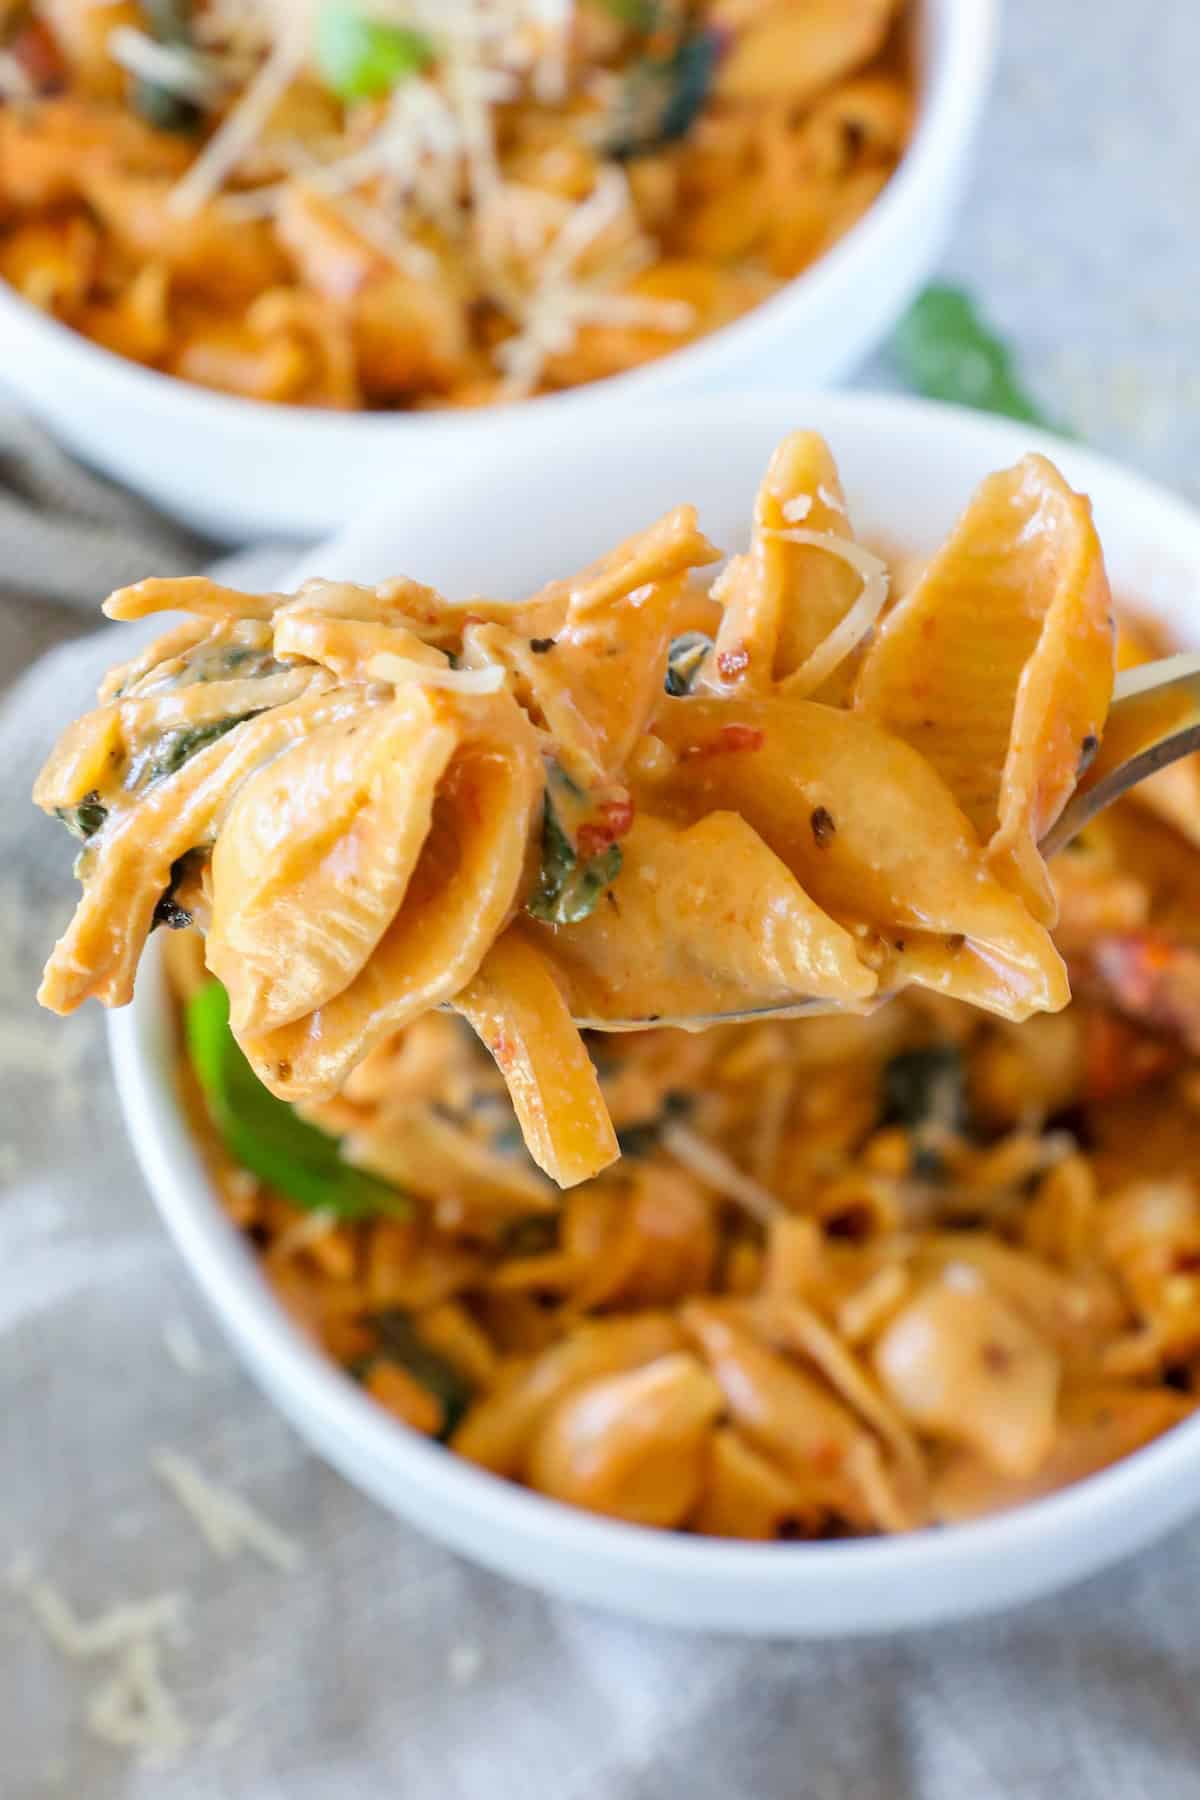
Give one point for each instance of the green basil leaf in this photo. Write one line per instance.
(83, 821)
(400, 1342)
(264, 1134)
(567, 890)
(361, 58)
(683, 662)
(945, 350)
(662, 97)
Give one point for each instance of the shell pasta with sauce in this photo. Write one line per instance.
(632, 796)
(851, 1275)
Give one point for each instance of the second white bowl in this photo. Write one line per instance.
(242, 469)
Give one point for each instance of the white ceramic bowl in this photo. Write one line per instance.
(241, 469)
(908, 468)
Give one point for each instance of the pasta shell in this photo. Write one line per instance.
(872, 834)
(998, 667)
(961, 1364)
(633, 1446)
(460, 894)
(519, 1012)
(706, 919)
(792, 52)
(782, 599)
(1098, 1424)
(497, 1430)
(313, 861)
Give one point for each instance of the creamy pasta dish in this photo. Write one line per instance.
(633, 798)
(812, 1277)
(412, 203)
(850, 1275)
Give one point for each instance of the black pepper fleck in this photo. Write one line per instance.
(824, 829)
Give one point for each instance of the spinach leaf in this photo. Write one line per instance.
(946, 351)
(568, 890)
(84, 820)
(925, 1087)
(662, 97)
(401, 1342)
(640, 1138)
(264, 1134)
(167, 755)
(167, 909)
(683, 661)
(533, 1235)
(170, 22)
(639, 15)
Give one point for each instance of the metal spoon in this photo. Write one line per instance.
(1154, 720)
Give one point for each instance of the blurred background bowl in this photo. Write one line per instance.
(908, 468)
(241, 468)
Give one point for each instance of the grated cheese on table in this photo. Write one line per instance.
(135, 1710)
(183, 1346)
(226, 1520)
(115, 1629)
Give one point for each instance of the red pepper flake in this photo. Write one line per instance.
(1118, 1058)
(614, 817)
(733, 662)
(729, 738)
(36, 49)
(504, 1051)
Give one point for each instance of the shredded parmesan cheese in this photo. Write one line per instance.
(227, 1521)
(168, 66)
(849, 631)
(241, 128)
(133, 1708)
(712, 1166)
(82, 1639)
(182, 1346)
(398, 670)
(309, 1229)
(136, 1710)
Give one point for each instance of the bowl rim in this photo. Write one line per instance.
(951, 105)
(241, 1297)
